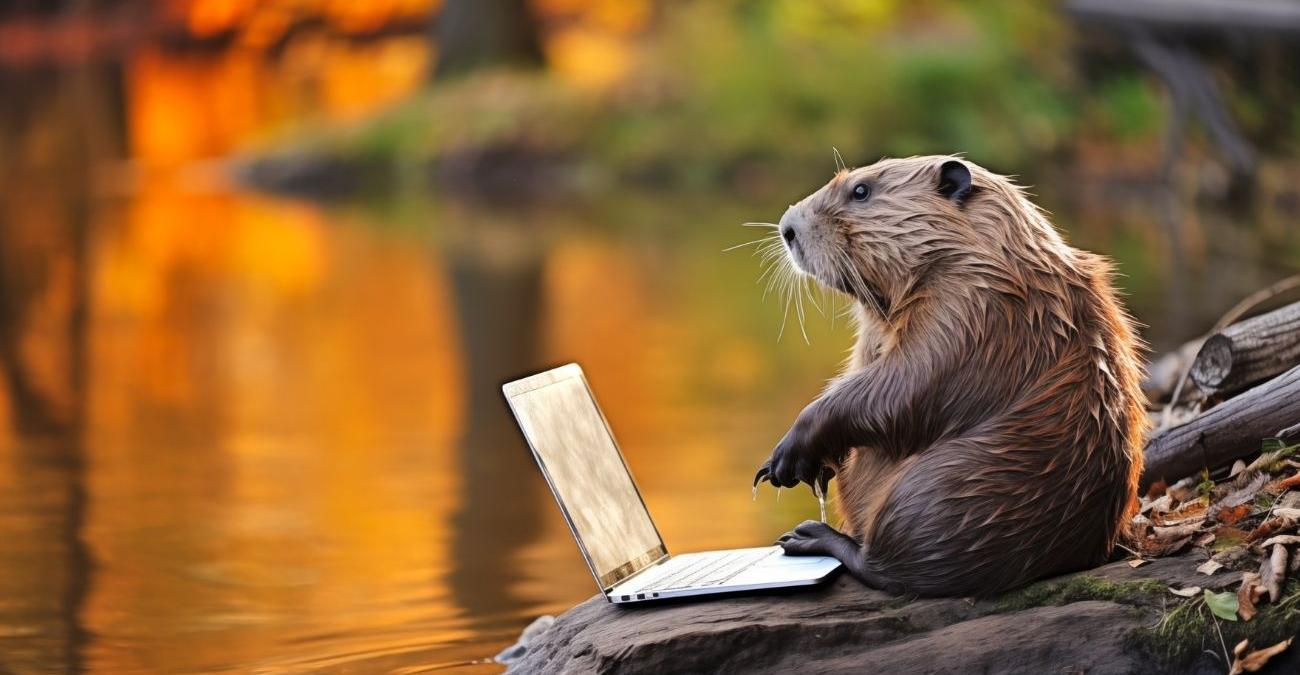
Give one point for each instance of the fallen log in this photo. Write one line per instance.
(1229, 431)
(1248, 352)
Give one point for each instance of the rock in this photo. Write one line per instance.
(516, 651)
(1099, 621)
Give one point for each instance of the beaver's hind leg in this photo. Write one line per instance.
(813, 537)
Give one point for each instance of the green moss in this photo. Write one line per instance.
(1078, 588)
(1189, 629)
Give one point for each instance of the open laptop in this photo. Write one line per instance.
(576, 451)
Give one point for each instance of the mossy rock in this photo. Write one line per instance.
(1065, 590)
(1113, 619)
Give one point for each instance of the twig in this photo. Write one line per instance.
(1289, 434)
(1226, 657)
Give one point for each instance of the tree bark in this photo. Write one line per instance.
(474, 34)
(1248, 352)
(1229, 431)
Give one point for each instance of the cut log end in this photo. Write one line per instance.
(1213, 363)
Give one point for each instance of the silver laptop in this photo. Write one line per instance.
(576, 451)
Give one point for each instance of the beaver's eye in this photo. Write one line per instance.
(860, 192)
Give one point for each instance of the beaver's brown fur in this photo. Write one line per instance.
(987, 428)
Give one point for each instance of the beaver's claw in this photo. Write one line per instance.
(791, 462)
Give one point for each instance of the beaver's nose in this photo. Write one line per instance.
(787, 224)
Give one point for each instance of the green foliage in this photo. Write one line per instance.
(792, 79)
(720, 88)
(729, 88)
(1127, 107)
(1205, 488)
(1223, 605)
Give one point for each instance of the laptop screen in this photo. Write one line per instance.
(577, 453)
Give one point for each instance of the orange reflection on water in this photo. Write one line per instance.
(256, 481)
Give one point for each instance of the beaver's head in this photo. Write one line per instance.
(878, 233)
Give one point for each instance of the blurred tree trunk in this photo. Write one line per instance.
(472, 34)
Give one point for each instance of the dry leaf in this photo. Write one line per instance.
(1283, 539)
(1159, 505)
(1231, 556)
(1231, 514)
(1173, 532)
(1292, 514)
(1272, 572)
(1227, 535)
(1190, 513)
(1156, 548)
(1237, 467)
(1273, 525)
(1244, 493)
(1188, 592)
(1157, 488)
(1243, 662)
(1160, 541)
(1245, 608)
(1278, 487)
(1238, 651)
(1209, 567)
(1183, 489)
(1204, 540)
(1137, 562)
(1247, 594)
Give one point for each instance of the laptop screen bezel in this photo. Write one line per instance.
(608, 580)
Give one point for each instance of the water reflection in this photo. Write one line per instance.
(496, 273)
(45, 566)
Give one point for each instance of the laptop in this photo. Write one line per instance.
(581, 462)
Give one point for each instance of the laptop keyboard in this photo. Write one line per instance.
(707, 570)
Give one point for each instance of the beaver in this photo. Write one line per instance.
(986, 430)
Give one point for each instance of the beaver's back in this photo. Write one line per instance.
(1037, 460)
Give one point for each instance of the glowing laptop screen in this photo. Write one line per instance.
(576, 450)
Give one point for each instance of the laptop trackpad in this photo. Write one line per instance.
(782, 568)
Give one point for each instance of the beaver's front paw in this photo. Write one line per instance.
(811, 537)
(805, 454)
(791, 461)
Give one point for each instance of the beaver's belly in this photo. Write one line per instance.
(865, 481)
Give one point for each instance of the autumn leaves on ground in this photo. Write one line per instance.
(1245, 517)
(1248, 522)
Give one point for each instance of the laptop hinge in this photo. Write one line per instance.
(655, 563)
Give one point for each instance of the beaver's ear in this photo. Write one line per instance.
(954, 181)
